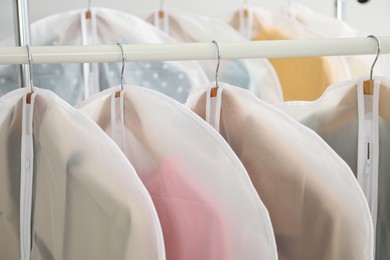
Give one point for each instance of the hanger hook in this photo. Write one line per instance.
(123, 64)
(89, 5)
(218, 62)
(29, 56)
(377, 53)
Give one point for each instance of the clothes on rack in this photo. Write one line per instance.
(74, 82)
(316, 206)
(66, 190)
(207, 205)
(205, 201)
(242, 181)
(301, 78)
(256, 75)
(355, 122)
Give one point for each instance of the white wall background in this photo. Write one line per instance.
(370, 18)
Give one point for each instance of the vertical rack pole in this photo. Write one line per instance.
(340, 9)
(22, 36)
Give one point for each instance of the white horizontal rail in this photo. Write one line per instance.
(195, 51)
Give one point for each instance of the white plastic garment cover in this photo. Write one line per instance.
(323, 24)
(257, 75)
(82, 197)
(330, 27)
(74, 82)
(357, 127)
(317, 208)
(207, 206)
(296, 75)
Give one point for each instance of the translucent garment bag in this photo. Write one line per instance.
(331, 27)
(317, 208)
(302, 78)
(74, 82)
(207, 206)
(256, 75)
(66, 190)
(355, 122)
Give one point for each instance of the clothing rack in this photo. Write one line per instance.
(195, 51)
(22, 35)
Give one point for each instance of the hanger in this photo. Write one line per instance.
(117, 94)
(368, 85)
(161, 13)
(160, 18)
(30, 82)
(213, 92)
(244, 19)
(245, 11)
(88, 12)
(139, 134)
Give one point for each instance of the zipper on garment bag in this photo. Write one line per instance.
(368, 144)
(27, 172)
(368, 124)
(368, 177)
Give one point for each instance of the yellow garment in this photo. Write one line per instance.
(303, 78)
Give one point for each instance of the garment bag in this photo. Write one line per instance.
(206, 203)
(317, 208)
(331, 27)
(301, 78)
(74, 82)
(257, 75)
(66, 188)
(355, 122)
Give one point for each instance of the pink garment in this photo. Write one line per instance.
(193, 228)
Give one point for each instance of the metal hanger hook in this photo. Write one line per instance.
(123, 64)
(89, 5)
(218, 62)
(29, 57)
(377, 53)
